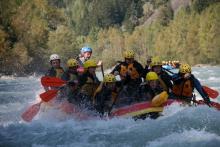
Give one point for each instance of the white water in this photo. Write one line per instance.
(179, 127)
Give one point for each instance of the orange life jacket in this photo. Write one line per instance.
(124, 69)
(185, 89)
(123, 72)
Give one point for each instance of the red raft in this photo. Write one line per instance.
(133, 110)
(146, 107)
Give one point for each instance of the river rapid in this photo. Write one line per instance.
(179, 127)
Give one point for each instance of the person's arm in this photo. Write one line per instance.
(199, 88)
(167, 80)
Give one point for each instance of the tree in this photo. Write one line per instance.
(209, 34)
(110, 45)
(63, 42)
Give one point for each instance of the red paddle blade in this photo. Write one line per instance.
(52, 81)
(211, 92)
(31, 112)
(216, 105)
(213, 104)
(48, 95)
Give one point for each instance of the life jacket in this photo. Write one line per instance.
(89, 87)
(80, 61)
(59, 72)
(184, 89)
(72, 76)
(55, 72)
(114, 94)
(96, 92)
(124, 69)
(123, 72)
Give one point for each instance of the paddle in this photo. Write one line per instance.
(211, 92)
(48, 95)
(31, 112)
(102, 70)
(213, 104)
(52, 81)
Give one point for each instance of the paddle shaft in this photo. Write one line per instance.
(102, 71)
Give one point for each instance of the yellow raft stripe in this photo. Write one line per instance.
(148, 110)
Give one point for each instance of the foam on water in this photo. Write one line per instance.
(7, 77)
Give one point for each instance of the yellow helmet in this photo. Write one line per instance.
(185, 68)
(72, 63)
(90, 63)
(129, 54)
(109, 78)
(156, 62)
(151, 76)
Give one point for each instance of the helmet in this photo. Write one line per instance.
(72, 63)
(54, 57)
(109, 78)
(156, 62)
(129, 54)
(86, 49)
(151, 76)
(185, 68)
(90, 63)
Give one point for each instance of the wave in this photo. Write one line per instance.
(187, 138)
(2, 77)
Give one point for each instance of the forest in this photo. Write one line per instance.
(31, 30)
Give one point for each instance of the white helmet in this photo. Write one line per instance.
(54, 57)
